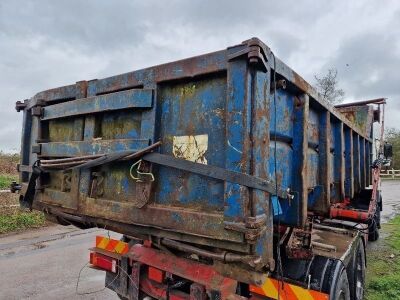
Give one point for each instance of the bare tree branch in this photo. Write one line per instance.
(327, 86)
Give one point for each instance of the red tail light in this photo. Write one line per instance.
(103, 262)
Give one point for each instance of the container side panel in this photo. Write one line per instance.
(284, 116)
(356, 161)
(313, 128)
(120, 125)
(62, 130)
(192, 127)
(284, 211)
(362, 163)
(337, 193)
(349, 179)
(238, 116)
(261, 204)
(368, 154)
(314, 188)
(321, 193)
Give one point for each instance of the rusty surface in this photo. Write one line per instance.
(361, 116)
(217, 109)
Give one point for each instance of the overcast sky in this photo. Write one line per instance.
(45, 44)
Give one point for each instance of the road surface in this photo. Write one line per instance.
(391, 199)
(45, 263)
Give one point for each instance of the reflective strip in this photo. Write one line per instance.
(286, 291)
(111, 245)
(270, 289)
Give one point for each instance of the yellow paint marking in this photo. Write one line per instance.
(270, 289)
(103, 244)
(301, 293)
(119, 247)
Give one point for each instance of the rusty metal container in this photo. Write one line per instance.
(231, 124)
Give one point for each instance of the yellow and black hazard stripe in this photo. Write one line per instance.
(111, 245)
(273, 288)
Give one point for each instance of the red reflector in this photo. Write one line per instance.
(103, 262)
(156, 274)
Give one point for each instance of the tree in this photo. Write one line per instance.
(392, 136)
(327, 86)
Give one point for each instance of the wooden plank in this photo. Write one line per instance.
(78, 148)
(135, 98)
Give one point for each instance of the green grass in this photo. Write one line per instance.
(21, 220)
(13, 218)
(6, 179)
(383, 272)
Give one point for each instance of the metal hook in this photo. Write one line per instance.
(136, 166)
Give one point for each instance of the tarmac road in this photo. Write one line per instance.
(390, 198)
(45, 263)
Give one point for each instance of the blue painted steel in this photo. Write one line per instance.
(337, 192)
(349, 165)
(116, 101)
(63, 149)
(222, 100)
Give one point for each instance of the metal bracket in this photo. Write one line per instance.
(253, 227)
(21, 105)
(256, 52)
(299, 243)
(37, 111)
(97, 186)
(37, 148)
(278, 85)
(135, 280)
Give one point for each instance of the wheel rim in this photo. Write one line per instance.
(360, 276)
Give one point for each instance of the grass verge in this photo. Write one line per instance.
(21, 220)
(383, 264)
(6, 179)
(13, 218)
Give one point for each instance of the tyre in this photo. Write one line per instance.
(342, 290)
(373, 232)
(356, 272)
(339, 288)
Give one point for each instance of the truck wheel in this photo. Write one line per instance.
(356, 272)
(340, 289)
(373, 233)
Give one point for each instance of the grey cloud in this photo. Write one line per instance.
(368, 67)
(44, 44)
